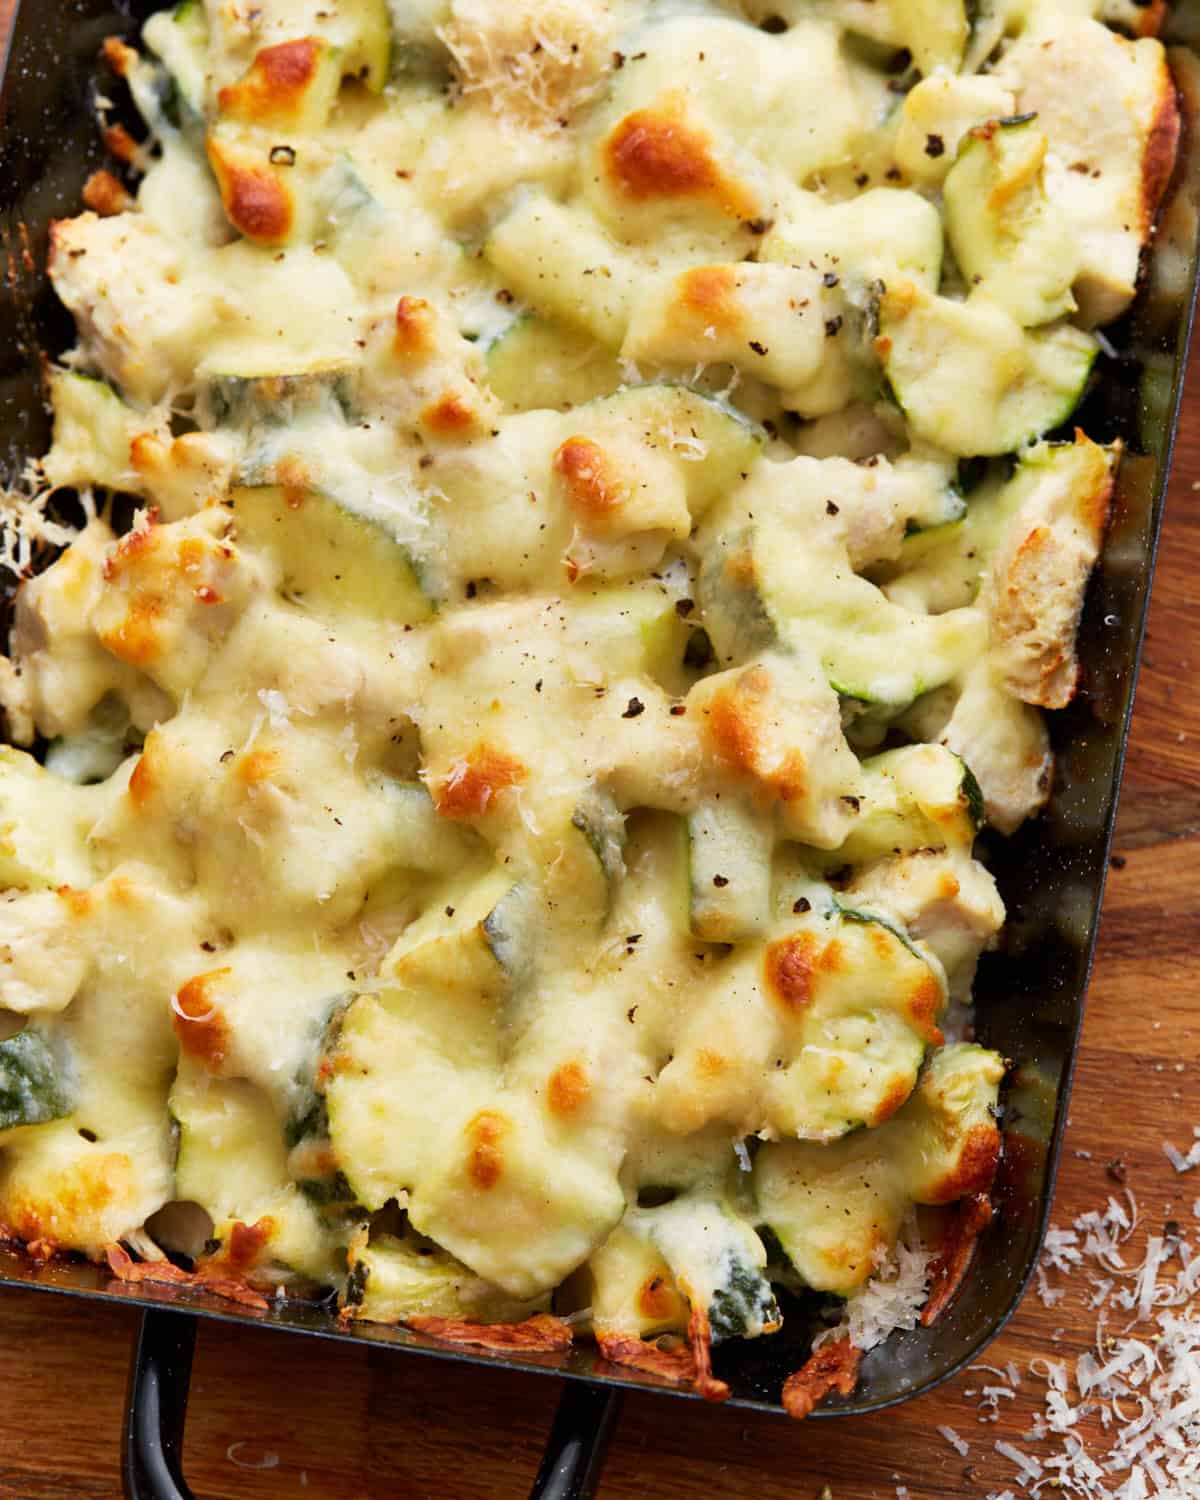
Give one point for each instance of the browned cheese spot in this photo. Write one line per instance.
(568, 1090)
(654, 153)
(790, 965)
(449, 416)
(975, 1168)
(255, 200)
(590, 486)
(657, 1300)
(709, 294)
(272, 91)
(923, 1003)
(415, 321)
(485, 1153)
(198, 1023)
(474, 782)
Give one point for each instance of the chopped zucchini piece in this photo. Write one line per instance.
(602, 824)
(93, 430)
(248, 399)
(716, 1259)
(837, 1209)
(915, 797)
(757, 590)
(559, 261)
(1021, 383)
(330, 555)
(423, 839)
(394, 1277)
(536, 363)
(729, 860)
(941, 897)
(34, 1082)
(629, 1287)
(233, 1160)
(179, 38)
(1013, 245)
(638, 628)
(1003, 740)
(367, 41)
(934, 31)
(813, 1036)
(938, 112)
(714, 444)
(481, 937)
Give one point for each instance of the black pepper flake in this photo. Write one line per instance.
(833, 326)
(630, 1013)
(757, 347)
(209, 947)
(684, 607)
(1118, 861)
(505, 296)
(283, 156)
(1116, 1171)
(226, 755)
(862, 179)
(537, 687)
(636, 707)
(449, 911)
(852, 803)
(678, 710)
(935, 146)
(892, 174)
(831, 509)
(830, 278)
(471, 590)
(618, 60)
(720, 881)
(801, 905)
(425, 461)
(759, 226)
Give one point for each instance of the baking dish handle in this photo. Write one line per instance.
(156, 1406)
(578, 1439)
(152, 1461)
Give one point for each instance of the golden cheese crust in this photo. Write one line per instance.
(466, 869)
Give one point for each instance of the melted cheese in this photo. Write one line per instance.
(462, 860)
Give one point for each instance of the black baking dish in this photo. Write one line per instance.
(1030, 996)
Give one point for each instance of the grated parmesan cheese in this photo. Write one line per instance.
(1178, 1160)
(960, 1445)
(890, 1301)
(1124, 1422)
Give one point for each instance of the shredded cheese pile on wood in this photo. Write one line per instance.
(1123, 1421)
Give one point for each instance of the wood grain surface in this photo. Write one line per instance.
(332, 1423)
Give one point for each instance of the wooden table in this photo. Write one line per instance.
(345, 1424)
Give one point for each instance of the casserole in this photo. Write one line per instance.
(1078, 827)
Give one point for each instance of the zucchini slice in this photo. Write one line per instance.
(537, 363)
(1012, 243)
(970, 379)
(179, 39)
(914, 797)
(836, 1209)
(729, 863)
(331, 556)
(35, 1083)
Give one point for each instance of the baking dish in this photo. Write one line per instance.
(1030, 995)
